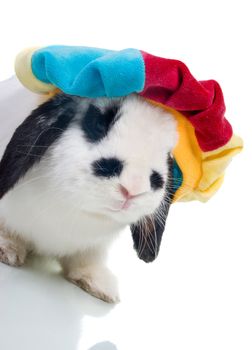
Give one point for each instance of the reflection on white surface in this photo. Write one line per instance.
(40, 310)
(104, 346)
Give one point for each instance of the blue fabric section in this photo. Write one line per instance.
(90, 72)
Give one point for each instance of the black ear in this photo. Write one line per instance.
(147, 232)
(33, 137)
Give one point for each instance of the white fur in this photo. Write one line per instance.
(61, 209)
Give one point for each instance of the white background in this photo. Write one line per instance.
(198, 294)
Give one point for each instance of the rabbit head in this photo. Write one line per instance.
(109, 157)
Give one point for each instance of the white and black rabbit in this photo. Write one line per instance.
(75, 173)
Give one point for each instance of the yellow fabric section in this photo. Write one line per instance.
(214, 164)
(25, 74)
(203, 172)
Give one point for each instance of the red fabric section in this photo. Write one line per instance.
(170, 83)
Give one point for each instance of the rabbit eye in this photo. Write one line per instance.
(107, 167)
(96, 124)
(156, 180)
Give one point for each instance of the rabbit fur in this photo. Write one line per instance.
(76, 172)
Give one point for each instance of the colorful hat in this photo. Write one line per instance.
(206, 141)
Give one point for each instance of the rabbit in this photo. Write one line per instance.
(75, 173)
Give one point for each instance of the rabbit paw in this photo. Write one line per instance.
(12, 252)
(97, 281)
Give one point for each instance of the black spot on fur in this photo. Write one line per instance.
(33, 137)
(96, 124)
(147, 232)
(107, 167)
(156, 180)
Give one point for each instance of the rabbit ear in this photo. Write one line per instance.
(33, 137)
(147, 232)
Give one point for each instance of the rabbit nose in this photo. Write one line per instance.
(125, 192)
(128, 194)
(132, 184)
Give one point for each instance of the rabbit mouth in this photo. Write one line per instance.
(113, 210)
(124, 205)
